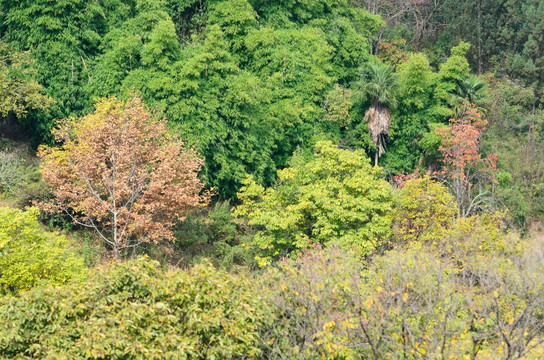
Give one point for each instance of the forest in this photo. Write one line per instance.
(272, 179)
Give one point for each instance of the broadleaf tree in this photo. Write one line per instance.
(469, 174)
(119, 172)
(337, 197)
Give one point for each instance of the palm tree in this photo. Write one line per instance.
(471, 90)
(380, 83)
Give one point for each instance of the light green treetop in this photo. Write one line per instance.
(337, 197)
(30, 256)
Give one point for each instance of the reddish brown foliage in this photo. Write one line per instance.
(399, 180)
(463, 165)
(120, 172)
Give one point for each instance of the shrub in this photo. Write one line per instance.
(411, 303)
(12, 172)
(212, 234)
(337, 197)
(134, 310)
(423, 210)
(30, 256)
(309, 299)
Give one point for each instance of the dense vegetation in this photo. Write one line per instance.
(289, 179)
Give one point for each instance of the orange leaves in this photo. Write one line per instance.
(120, 172)
(463, 165)
(460, 142)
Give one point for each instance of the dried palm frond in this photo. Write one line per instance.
(379, 120)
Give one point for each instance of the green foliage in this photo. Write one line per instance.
(20, 178)
(147, 40)
(418, 107)
(452, 73)
(337, 105)
(337, 197)
(348, 33)
(291, 12)
(19, 90)
(221, 113)
(423, 210)
(30, 256)
(474, 90)
(416, 82)
(236, 19)
(212, 234)
(484, 235)
(246, 83)
(244, 89)
(379, 83)
(63, 37)
(425, 99)
(515, 134)
(295, 64)
(506, 34)
(134, 310)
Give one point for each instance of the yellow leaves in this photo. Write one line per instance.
(329, 325)
(424, 208)
(263, 261)
(348, 324)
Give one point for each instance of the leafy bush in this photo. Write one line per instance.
(134, 310)
(30, 256)
(309, 297)
(462, 296)
(423, 210)
(212, 234)
(20, 178)
(337, 197)
(425, 300)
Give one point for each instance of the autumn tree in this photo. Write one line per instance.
(468, 174)
(119, 172)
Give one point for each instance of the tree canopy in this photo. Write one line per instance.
(119, 172)
(337, 197)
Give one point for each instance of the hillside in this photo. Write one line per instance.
(286, 179)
